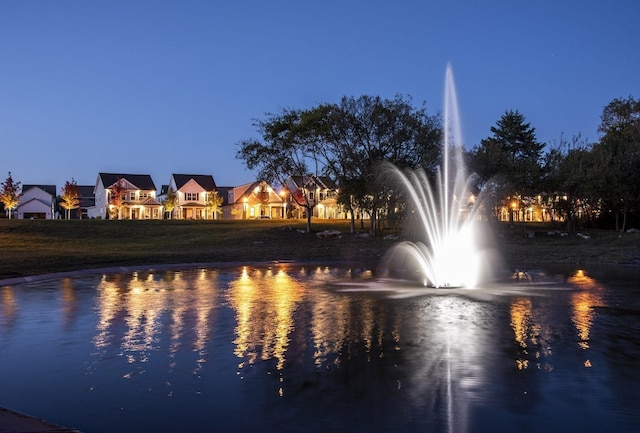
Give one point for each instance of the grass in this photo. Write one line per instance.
(32, 247)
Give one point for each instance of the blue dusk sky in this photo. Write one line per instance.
(163, 87)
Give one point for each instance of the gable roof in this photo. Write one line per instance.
(324, 182)
(85, 194)
(204, 180)
(141, 181)
(49, 189)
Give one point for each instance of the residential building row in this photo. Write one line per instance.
(141, 199)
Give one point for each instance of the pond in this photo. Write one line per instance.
(295, 348)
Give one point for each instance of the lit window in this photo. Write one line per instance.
(191, 196)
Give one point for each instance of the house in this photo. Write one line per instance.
(138, 200)
(193, 195)
(252, 200)
(37, 202)
(320, 192)
(87, 200)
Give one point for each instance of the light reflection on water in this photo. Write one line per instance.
(318, 348)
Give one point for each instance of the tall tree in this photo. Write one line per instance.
(10, 194)
(511, 158)
(355, 136)
(616, 169)
(118, 195)
(70, 196)
(284, 153)
(213, 203)
(170, 201)
(566, 170)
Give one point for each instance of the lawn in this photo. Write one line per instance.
(32, 247)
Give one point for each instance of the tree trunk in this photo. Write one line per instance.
(352, 225)
(309, 211)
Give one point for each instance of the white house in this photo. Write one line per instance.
(37, 202)
(253, 200)
(138, 200)
(192, 193)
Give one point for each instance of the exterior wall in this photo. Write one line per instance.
(244, 202)
(35, 202)
(99, 210)
(192, 201)
(35, 208)
(134, 208)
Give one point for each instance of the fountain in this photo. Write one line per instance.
(449, 256)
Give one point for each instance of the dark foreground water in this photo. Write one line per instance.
(295, 349)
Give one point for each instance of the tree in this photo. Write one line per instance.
(283, 154)
(170, 201)
(616, 158)
(213, 203)
(509, 160)
(70, 196)
(355, 136)
(347, 142)
(118, 195)
(10, 194)
(566, 170)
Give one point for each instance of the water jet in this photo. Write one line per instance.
(447, 255)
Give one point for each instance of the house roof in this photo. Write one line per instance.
(141, 181)
(324, 182)
(150, 201)
(85, 191)
(35, 200)
(50, 189)
(204, 180)
(223, 191)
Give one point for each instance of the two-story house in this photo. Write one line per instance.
(37, 202)
(319, 193)
(138, 200)
(193, 196)
(252, 201)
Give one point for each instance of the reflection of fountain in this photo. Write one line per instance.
(449, 257)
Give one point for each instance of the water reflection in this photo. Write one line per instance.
(584, 304)
(264, 301)
(532, 334)
(9, 308)
(134, 311)
(296, 351)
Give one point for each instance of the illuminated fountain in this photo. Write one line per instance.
(449, 256)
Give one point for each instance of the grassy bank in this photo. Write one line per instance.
(38, 247)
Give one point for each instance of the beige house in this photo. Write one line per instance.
(193, 193)
(253, 201)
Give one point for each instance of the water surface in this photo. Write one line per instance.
(303, 349)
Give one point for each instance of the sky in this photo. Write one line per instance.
(160, 87)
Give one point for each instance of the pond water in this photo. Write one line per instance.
(301, 349)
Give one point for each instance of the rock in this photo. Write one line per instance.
(633, 230)
(329, 234)
(391, 237)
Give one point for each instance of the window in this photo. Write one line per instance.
(191, 196)
(132, 196)
(144, 194)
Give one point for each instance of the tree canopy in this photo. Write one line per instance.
(346, 141)
(70, 196)
(10, 194)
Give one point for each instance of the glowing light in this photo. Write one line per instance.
(448, 257)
